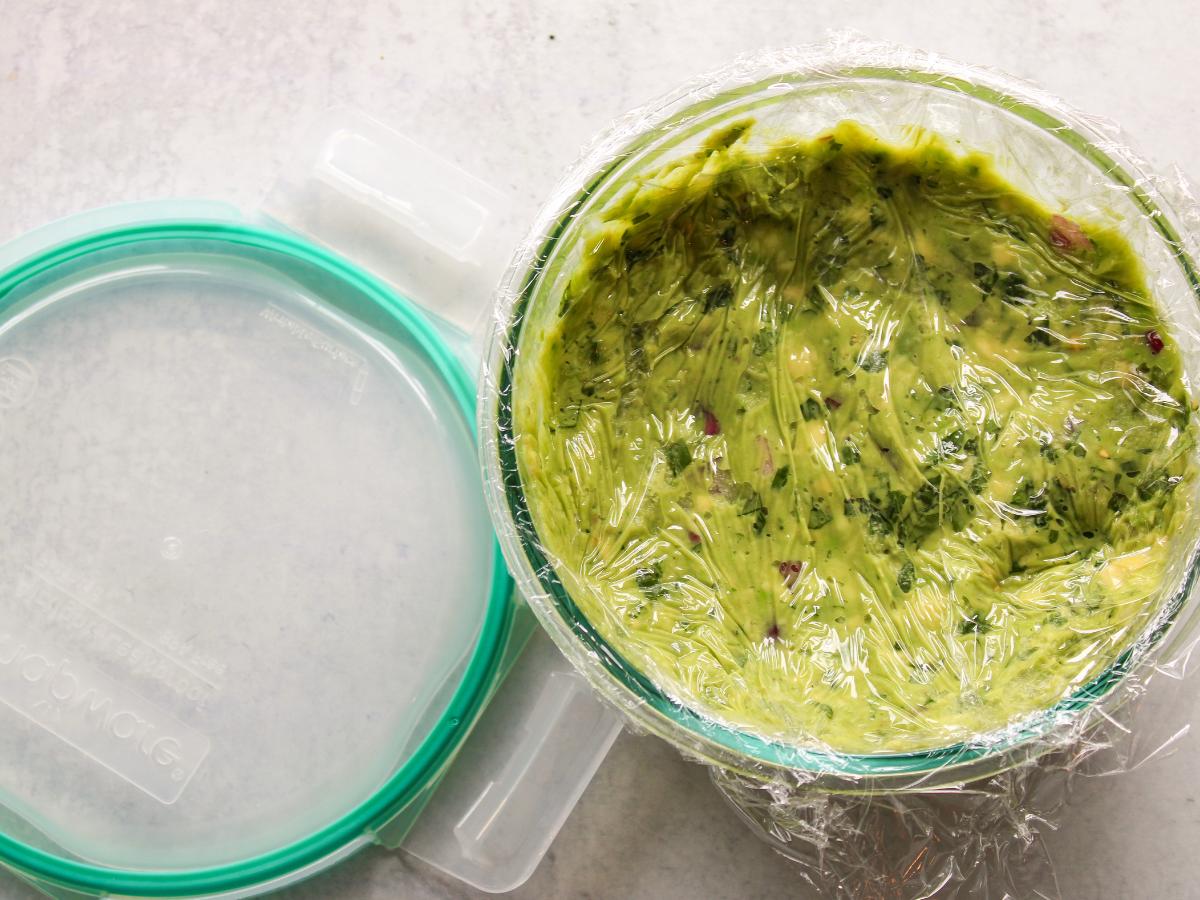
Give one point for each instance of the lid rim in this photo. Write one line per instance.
(427, 762)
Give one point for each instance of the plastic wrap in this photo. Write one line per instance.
(838, 425)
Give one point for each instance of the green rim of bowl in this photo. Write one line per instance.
(431, 756)
(626, 675)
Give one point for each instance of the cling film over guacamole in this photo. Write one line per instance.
(852, 444)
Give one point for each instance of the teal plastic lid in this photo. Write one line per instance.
(251, 598)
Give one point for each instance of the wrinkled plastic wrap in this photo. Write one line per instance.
(838, 424)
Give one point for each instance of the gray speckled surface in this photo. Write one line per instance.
(108, 102)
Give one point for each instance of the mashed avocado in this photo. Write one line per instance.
(852, 443)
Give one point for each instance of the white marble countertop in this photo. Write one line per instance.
(107, 102)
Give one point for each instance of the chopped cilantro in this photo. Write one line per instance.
(648, 576)
(781, 477)
(944, 398)
(718, 297)
(751, 505)
(1014, 286)
(874, 361)
(679, 457)
(764, 342)
(985, 277)
(976, 623)
(853, 506)
(980, 476)
(818, 516)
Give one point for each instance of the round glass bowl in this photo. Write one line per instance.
(1044, 150)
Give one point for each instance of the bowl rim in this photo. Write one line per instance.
(607, 669)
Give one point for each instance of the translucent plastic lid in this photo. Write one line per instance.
(250, 596)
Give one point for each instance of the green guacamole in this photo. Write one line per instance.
(853, 444)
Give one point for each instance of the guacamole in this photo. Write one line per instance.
(852, 444)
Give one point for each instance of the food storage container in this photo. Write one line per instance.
(1071, 164)
(254, 607)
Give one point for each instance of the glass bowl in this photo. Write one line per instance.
(1068, 163)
